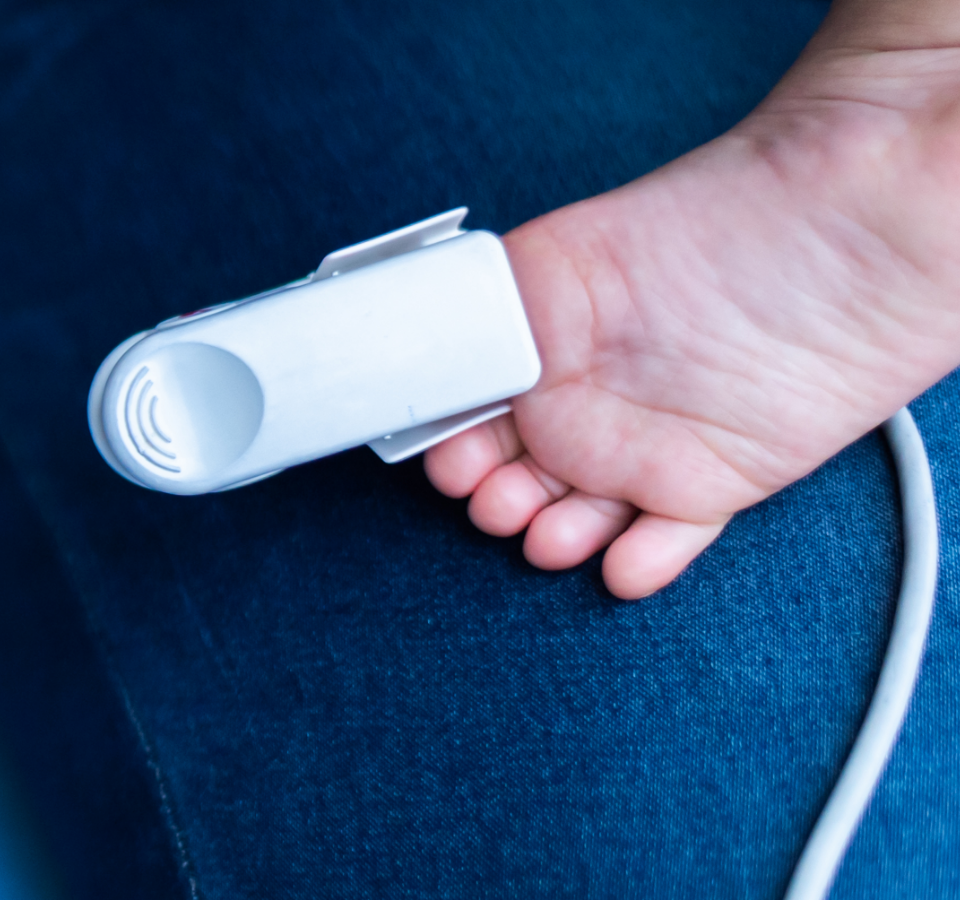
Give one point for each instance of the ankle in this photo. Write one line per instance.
(868, 144)
(891, 24)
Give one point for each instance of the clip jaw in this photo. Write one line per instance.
(398, 342)
(394, 243)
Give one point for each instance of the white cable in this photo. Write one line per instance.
(831, 836)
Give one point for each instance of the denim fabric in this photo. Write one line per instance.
(328, 684)
(82, 769)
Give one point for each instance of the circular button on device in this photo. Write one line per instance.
(185, 413)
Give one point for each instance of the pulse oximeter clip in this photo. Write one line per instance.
(398, 342)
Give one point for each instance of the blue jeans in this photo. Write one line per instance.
(328, 684)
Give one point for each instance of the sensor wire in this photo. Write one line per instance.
(828, 842)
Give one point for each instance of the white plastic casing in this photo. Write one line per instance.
(398, 342)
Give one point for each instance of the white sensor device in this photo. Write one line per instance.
(398, 342)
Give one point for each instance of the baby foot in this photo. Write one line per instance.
(717, 329)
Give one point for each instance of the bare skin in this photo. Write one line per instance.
(715, 330)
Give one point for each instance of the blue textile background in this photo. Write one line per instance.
(328, 684)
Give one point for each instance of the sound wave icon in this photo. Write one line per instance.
(140, 413)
